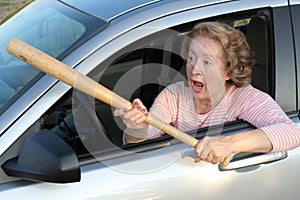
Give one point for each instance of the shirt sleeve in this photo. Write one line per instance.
(262, 111)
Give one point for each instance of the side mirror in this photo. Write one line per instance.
(45, 157)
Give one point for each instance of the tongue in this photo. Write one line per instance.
(197, 84)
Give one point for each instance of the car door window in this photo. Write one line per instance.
(142, 70)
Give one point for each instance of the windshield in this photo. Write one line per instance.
(49, 26)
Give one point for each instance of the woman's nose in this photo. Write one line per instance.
(196, 70)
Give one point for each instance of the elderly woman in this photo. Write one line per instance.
(218, 68)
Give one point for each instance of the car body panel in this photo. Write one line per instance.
(200, 181)
(107, 11)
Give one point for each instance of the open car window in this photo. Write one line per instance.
(142, 70)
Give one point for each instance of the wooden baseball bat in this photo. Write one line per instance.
(61, 71)
(70, 76)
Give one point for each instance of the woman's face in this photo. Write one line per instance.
(205, 69)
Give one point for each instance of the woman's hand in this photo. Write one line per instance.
(216, 149)
(134, 118)
(220, 149)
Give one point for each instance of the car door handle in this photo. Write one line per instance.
(253, 160)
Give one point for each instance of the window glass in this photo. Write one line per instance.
(50, 27)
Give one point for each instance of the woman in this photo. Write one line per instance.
(218, 68)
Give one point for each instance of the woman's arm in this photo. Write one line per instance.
(216, 149)
(264, 113)
(275, 131)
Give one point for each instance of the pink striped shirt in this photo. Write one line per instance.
(174, 105)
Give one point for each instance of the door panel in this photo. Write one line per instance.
(177, 180)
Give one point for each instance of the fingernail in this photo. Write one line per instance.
(144, 110)
(146, 114)
(139, 108)
(135, 103)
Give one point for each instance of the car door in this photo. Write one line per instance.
(253, 180)
(164, 168)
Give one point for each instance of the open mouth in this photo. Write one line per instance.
(197, 86)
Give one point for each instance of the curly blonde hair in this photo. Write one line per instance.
(236, 49)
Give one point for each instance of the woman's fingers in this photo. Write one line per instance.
(199, 150)
(226, 161)
(140, 116)
(213, 150)
(138, 103)
(119, 112)
(135, 117)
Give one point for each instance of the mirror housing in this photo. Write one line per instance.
(45, 157)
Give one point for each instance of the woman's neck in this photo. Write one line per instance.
(202, 107)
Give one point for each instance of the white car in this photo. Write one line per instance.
(58, 143)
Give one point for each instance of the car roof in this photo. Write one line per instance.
(108, 9)
(111, 9)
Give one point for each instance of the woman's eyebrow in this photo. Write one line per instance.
(191, 51)
(200, 53)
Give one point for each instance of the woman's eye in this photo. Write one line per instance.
(191, 60)
(207, 65)
(207, 62)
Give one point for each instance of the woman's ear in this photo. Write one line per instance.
(227, 77)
